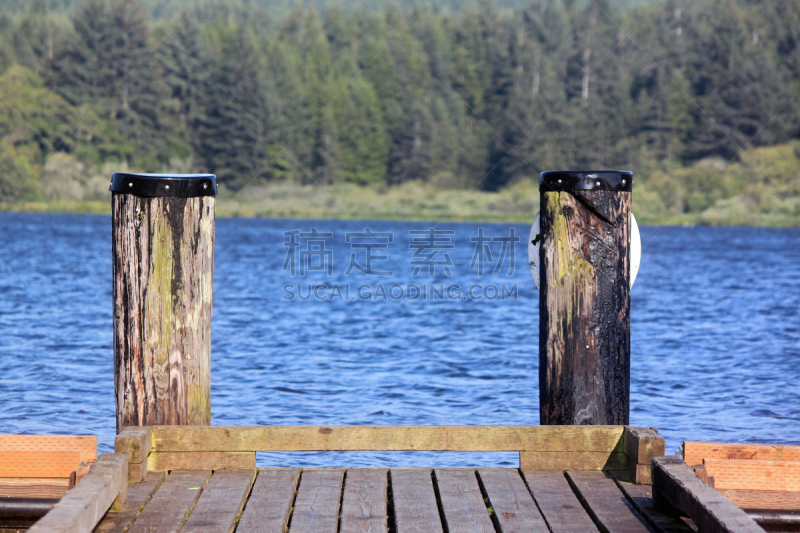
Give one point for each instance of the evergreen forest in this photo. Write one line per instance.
(300, 108)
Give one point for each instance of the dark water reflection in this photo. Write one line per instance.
(716, 336)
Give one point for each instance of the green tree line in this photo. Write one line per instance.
(479, 97)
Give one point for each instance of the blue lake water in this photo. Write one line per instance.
(715, 332)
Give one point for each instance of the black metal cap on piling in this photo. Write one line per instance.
(164, 185)
(586, 180)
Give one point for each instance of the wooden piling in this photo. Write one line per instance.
(163, 268)
(584, 302)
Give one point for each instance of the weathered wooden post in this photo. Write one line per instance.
(584, 298)
(163, 263)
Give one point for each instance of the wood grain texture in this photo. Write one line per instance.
(584, 308)
(573, 460)
(138, 496)
(642, 444)
(414, 501)
(754, 475)
(270, 503)
(675, 485)
(559, 505)
(695, 452)
(388, 438)
(81, 508)
(135, 442)
(641, 496)
(607, 504)
(365, 501)
(201, 461)
(641, 474)
(763, 499)
(85, 444)
(137, 472)
(172, 502)
(163, 269)
(463, 508)
(49, 488)
(514, 508)
(316, 507)
(222, 500)
(41, 463)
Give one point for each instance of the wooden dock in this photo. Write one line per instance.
(379, 500)
(204, 478)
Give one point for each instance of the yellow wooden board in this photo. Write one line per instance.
(387, 438)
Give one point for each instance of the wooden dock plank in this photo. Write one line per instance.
(174, 499)
(642, 498)
(387, 438)
(513, 505)
(138, 496)
(676, 485)
(267, 510)
(763, 499)
(463, 508)
(414, 501)
(607, 504)
(38, 463)
(559, 505)
(86, 444)
(754, 474)
(80, 510)
(365, 501)
(221, 502)
(316, 508)
(695, 452)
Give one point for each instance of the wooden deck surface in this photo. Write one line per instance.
(380, 500)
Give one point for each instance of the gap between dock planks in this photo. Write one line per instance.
(387, 438)
(558, 503)
(414, 501)
(172, 503)
(139, 495)
(641, 496)
(607, 504)
(365, 501)
(513, 506)
(270, 503)
(316, 507)
(220, 503)
(463, 508)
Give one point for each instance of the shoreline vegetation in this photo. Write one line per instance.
(762, 190)
(444, 111)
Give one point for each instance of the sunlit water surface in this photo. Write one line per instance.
(715, 336)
